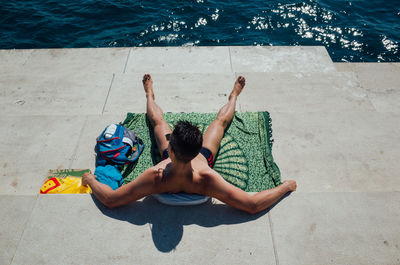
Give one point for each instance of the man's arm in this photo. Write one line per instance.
(219, 188)
(144, 185)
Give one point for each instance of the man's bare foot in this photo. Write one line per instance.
(238, 86)
(148, 85)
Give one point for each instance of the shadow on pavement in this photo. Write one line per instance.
(167, 222)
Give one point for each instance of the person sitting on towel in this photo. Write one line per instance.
(187, 163)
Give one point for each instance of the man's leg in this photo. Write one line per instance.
(155, 115)
(214, 133)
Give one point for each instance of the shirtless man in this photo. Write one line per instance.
(187, 163)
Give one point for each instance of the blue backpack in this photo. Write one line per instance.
(118, 145)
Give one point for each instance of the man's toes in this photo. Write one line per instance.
(146, 77)
(241, 80)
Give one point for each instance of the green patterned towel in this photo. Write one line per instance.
(244, 158)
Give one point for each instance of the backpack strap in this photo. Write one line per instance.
(138, 151)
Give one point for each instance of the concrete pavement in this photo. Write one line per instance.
(336, 130)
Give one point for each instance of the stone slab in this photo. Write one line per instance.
(328, 137)
(13, 60)
(381, 81)
(355, 151)
(58, 61)
(374, 76)
(386, 100)
(200, 92)
(143, 232)
(179, 60)
(303, 92)
(338, 228)
(281, 59)
(31, 145)
(14, 214)
(85, 156)
(58, 94)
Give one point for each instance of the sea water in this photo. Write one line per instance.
(353, 31)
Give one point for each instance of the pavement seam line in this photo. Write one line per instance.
(108, 93)
(27, 58)
(367, 93)
(230, 58)
(23, 229)
(77, 144)
(273, 238)
(127, 59)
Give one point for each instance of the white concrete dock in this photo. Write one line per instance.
(336, 128)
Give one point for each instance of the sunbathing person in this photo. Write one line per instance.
(187, 163)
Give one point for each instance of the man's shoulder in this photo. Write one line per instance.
(207, 174)
(160, 165)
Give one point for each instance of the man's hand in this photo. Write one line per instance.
(290, 185)
(87, 177)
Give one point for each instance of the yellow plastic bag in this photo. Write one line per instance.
(65, 181)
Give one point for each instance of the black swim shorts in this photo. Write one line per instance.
(204, 151)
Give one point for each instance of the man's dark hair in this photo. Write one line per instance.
(186, 141)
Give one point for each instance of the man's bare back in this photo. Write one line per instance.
(195, 176)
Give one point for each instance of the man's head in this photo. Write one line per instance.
(186, 141)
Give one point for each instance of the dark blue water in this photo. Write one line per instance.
(350, 30)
